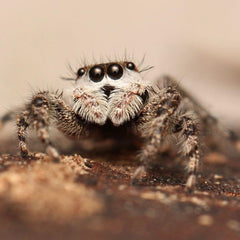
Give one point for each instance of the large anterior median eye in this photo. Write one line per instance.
(96, 73)
(115, 71)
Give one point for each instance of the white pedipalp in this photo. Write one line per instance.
(92, 106)
(125, 103)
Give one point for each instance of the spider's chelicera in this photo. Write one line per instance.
(110, 96)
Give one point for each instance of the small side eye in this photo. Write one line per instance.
(81, 72)
(130, 66)
(96, 73)
(115, 71)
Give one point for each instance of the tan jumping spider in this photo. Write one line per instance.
(110, 96)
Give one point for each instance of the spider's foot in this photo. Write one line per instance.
(138, 174)
(24, 154)
(190, 184)
(27, 156)
(53, 154)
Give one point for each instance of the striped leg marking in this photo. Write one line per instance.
(22, 126)
(190, 147)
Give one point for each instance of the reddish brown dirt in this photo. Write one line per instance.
(93, 199)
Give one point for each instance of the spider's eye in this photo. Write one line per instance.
(96, 73)
(81, 72)
(130, 66)
(115, 71)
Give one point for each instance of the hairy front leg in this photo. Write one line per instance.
(160, 119)
(154, 125)
(38, 114)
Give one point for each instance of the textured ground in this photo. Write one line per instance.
(93, 199)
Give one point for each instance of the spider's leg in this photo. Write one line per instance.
(44, 107)
(160, 118)
(37, 115)
(22, 125)
(213, 125)
(209, 123)
(188, 129)
(7, 117)
(154, 124)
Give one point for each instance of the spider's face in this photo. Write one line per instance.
(108, 91)
(107, 77)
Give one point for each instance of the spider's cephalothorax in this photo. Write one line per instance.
(116, 95)
(114, 91)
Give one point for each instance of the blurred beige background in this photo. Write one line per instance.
(198, 42)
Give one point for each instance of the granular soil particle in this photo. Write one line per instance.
(92, 198)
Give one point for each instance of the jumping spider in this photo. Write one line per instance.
(110, 96)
